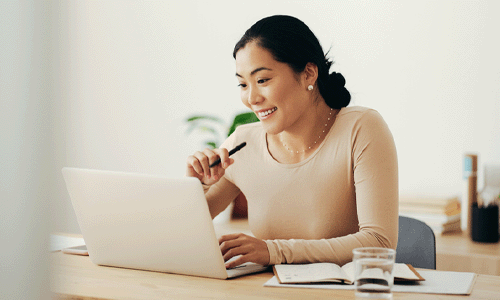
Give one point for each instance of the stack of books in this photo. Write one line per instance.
(441, 214)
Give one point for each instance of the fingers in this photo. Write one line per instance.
(248, 248)
(227, 242)
(199, 165)
(228, 237)
(238, 261)
(243, 251)
(194, 167)
(199, 162)
(224, 158)
(230, 246)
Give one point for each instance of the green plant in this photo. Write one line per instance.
(217, 128)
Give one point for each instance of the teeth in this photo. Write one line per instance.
(265, 113)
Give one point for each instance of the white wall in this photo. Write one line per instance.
(26, 178)
(128, 73)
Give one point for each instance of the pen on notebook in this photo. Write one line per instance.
(236, 149)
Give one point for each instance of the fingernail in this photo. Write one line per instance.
(225, 165)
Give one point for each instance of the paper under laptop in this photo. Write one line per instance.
(148, 222)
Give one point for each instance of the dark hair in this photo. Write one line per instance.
(290, 41)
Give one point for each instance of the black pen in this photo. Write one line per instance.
(236, 149)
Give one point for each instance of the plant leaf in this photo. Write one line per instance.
(205, 118)
(212, 144)
(208, 129)
(243, 118)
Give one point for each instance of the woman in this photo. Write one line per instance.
(320, 178)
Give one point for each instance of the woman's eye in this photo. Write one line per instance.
(261, 81)
(242, 85)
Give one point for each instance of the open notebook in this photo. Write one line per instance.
(330, 272)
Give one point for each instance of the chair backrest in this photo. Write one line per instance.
(416, 244)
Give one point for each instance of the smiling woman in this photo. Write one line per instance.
(320, 178)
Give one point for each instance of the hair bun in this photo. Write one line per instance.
(336, 81)
(337, 96)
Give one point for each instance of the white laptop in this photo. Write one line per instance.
(148, 222)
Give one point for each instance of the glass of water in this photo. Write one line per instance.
(373, 272)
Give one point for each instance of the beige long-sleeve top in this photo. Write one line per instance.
(343, 196)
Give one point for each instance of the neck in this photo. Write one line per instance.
(310, 130)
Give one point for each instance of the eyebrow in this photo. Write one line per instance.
(255, 71)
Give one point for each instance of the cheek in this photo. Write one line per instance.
(244, 98)
(277, 96)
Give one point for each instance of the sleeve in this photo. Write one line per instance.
(375, 168)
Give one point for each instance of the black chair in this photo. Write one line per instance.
(416, 244)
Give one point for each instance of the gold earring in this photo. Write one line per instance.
(310, 87)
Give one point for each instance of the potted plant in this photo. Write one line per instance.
(219, 131)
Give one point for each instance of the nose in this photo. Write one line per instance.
(254, 96)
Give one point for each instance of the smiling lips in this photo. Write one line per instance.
(265, 113)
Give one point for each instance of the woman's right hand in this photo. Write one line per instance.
(198, 165)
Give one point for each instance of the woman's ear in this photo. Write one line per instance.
(310, 74)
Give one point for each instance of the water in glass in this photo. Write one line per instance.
(374, 278)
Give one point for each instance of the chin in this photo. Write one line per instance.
(270, 129)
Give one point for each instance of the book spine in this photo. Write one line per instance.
(433, 219)
(429, 210)
(430, 201)
(469, 194)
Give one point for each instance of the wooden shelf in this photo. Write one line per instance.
(457, 252)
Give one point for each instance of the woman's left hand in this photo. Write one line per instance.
(251, 249)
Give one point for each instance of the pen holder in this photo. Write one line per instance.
(484, 224)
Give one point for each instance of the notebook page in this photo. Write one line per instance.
(402, 271)
(309, 272)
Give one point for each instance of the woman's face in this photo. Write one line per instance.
(270, 88)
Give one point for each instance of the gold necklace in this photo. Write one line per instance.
(312, 145)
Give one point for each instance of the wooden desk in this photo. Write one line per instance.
(76, 277)
(457, 252)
